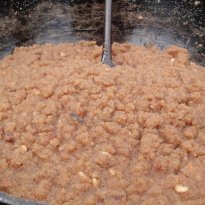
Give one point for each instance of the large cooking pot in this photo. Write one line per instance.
(142, 22)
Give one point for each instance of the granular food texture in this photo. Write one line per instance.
(74, 131)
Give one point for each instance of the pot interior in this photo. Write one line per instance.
(141, 22)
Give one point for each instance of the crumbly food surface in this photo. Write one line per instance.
(74, 131)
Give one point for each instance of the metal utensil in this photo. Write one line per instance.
(107, 47)
(11, 200)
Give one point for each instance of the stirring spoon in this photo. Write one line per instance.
(107, 46)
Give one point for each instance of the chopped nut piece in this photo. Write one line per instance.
(106, 153)
(84, 177)
(200, 45)
(62, 54)
(23, 149)
(140, 17)
(172, 60)
(181, 189)
(112, 171)
(55, 142)
(95, 182)
(196, 3)
(192, 63)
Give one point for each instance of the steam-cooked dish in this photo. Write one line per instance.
(74, 131)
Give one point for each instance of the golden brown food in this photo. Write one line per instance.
(74, 131)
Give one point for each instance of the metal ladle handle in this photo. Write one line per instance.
(107, 47)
